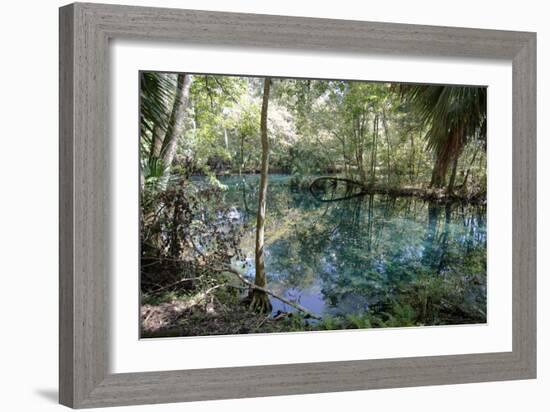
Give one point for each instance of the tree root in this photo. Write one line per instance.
(260, 302)
(266, 291)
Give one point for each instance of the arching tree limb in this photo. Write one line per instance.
(267, 291)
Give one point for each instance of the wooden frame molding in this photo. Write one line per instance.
(85, 31)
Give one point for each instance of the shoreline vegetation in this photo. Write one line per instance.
(298, 205)
(356, 188)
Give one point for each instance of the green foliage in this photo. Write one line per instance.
(444, 109)
(152, 170)
(156, 98)
(373, 132)
(453, 116)
(377, 261)
(329, 323)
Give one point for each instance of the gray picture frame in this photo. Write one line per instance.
(85, 31)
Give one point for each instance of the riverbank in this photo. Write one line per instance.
(353, 188)
(350, 188)
(212, 317)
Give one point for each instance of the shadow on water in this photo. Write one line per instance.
(397, 258)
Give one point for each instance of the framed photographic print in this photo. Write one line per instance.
(257, 205)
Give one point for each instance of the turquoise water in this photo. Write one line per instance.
(402, 260)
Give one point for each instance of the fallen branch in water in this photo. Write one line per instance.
(357, 189)
(269, 292)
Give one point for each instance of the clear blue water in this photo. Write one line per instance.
(401, 259)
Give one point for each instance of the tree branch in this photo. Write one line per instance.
(269, 292)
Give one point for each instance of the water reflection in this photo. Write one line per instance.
(400, 259)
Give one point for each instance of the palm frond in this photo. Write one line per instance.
(444, 109)
(156, 98)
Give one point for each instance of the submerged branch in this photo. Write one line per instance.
(269, 292)
(355, 188)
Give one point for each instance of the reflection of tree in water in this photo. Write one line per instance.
(377, 255)
(421, 262)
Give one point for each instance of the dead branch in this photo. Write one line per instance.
(171, 285)
(269, 292)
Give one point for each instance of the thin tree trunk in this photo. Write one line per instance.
(361, 122)
(176, 123)
(225, 138)
(260, 300)
(359, 149)
(388, 144)
(373, 153)
(344, 155)
(412, 173)
(241, 166)
(469, 168)
(346, 161)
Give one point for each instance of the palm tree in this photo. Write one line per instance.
(164, 99)
(157, 91)
(453, 115)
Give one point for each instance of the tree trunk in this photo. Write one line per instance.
(346, 161)
(241, 165)
(175, 124)
(465, 181)
(412, 173)
(359, 148)
(452, 179)
(225, 139)
(388, 146)
(439, 172)
(374, 148)
(446, 155)
(260, 300)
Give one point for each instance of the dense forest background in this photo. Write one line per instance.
(337, 141)
(374, 132)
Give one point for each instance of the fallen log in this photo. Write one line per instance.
(355, 188)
